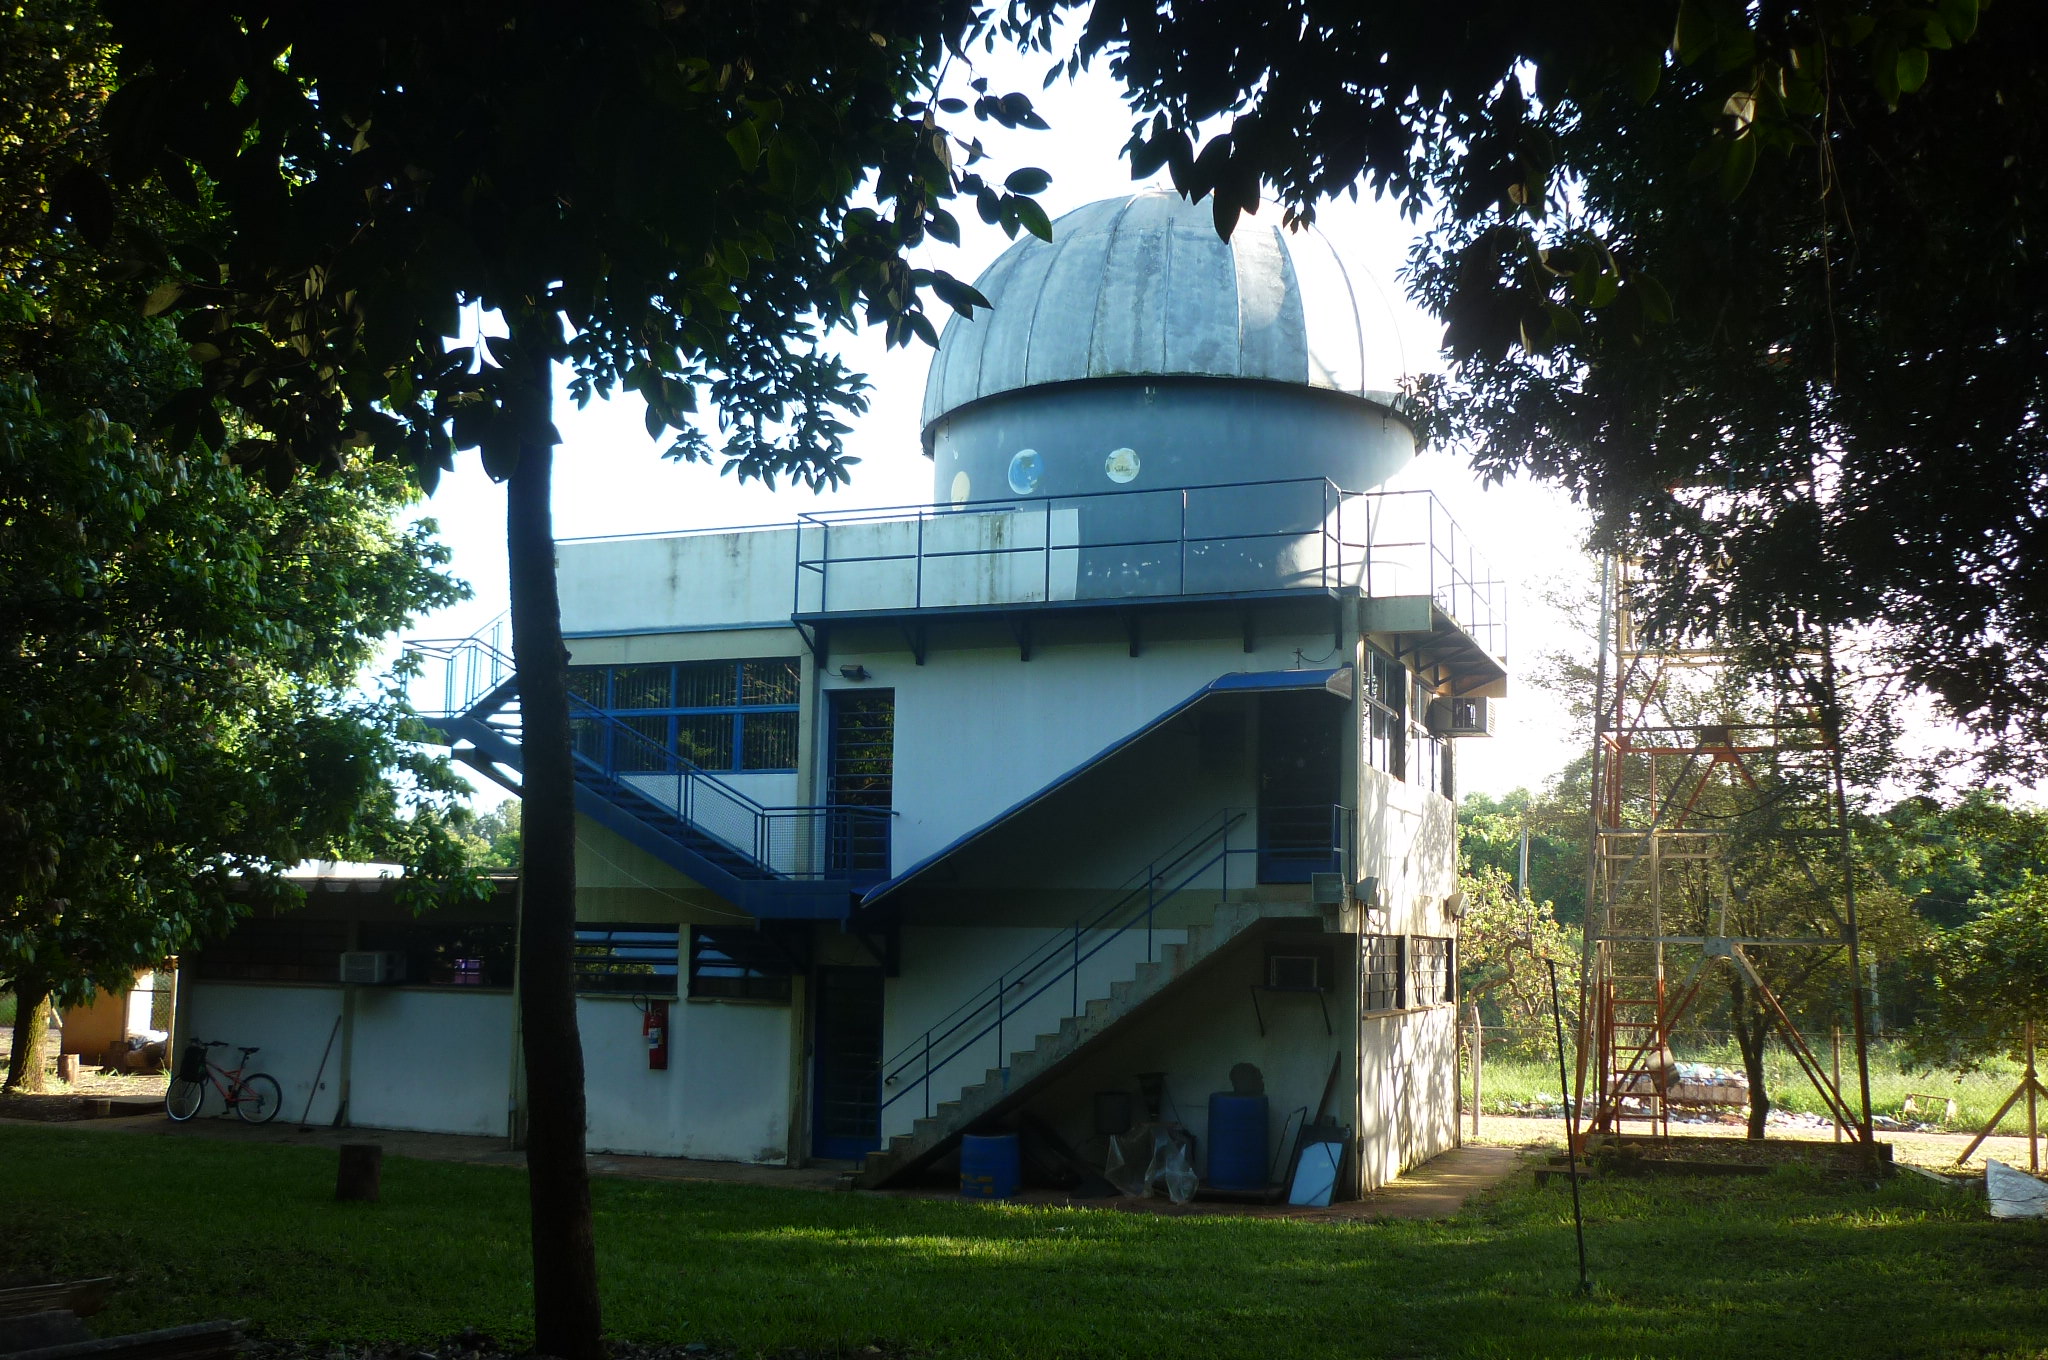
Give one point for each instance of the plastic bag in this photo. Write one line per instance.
(1165, 1152)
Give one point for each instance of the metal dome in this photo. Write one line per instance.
(1140, 286)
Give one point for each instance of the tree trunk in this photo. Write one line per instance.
(31, 1032)
(566, 1316)
(1752, 1028)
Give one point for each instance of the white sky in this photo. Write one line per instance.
(610, 479)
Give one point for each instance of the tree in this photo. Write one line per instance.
(491, 840)
(674, 201)
(1756, 281)
(179, 650)
(1991, 981)
(1490, 837)
(1506, 940)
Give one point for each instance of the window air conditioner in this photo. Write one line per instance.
(1294, 972)
(372, 967)
(1461, 718)
(1326, 890)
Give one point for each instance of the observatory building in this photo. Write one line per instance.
(1107, 797)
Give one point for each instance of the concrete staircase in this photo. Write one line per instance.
(1005, 1088)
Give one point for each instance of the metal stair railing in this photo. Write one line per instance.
(989, 1010)
(805, 842)
(470, 669)
(799, 842)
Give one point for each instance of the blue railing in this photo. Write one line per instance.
(1199, 860)
(828, 842)
(1298, 534)
(796, 842)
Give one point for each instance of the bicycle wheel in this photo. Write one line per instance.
(257, 1099)
(183, 1099)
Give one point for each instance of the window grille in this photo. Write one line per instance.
(441, 955)
(633, 959)
(1383, 972)
(747, 965)
(1386, 727)
(718, 715)
(1429, 965)
(286, 949)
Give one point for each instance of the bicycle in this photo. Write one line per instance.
(252, 1095)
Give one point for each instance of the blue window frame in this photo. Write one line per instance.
(718, 715)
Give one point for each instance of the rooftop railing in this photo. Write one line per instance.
(1243, 538)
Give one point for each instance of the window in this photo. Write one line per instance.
(629, 959)
(1386, 728)
(441, 955)
(744, 965)
(286, 949)
(1429, 971)
(718, 715)
(1382, 971)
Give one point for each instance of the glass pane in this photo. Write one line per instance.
(706, 684)
(706, 742)
(640, 687)
(640, 745)
(769, 682)
(587, 683)
(769, 741)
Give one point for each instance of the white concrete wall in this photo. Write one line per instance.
(1408, 839)
(725, 1095)
(433, 1059)
(944, 967)
(291, 1024)
(1002, 556)
(652, 585)
(1408, 1090)
(977, 730)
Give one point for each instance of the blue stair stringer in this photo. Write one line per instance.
(479, 719)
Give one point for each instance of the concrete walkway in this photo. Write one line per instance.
(1436, 1189)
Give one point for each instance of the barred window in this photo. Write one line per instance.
(1382, 972)
(718, 715)
(440, 955)
(629, 959)
(746, 965)
(1386, 728)
(1429, 971)
(283, 949)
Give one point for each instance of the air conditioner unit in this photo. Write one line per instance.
(1461, 718)
(1294, 972)
(373, 967)
(1326, 890)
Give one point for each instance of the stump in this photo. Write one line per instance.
(67, 1068)
(361, 1168)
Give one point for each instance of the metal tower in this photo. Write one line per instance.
(1719, 838)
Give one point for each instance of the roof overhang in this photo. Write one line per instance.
(1333, 680)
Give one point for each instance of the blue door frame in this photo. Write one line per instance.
(846, 1062)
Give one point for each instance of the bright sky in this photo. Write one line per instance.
(610, 479)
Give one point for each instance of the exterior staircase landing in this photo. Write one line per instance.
(1004, 1089)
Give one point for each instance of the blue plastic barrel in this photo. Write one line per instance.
(988, 1165)
(1237, 1141)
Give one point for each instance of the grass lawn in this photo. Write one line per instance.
(1783, 1264)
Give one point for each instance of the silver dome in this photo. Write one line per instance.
(1139, 286)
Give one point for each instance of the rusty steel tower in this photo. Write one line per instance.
(1720, 841)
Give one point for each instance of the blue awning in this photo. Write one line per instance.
(1337, 680)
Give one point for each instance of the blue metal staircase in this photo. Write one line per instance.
(805, 862)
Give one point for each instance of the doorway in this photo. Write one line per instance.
(1300, 782)
(846, 1075)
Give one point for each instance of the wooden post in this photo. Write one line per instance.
(1835, 1057)
(67, 1068)
(2033, 1122)
(360, 1172)
(1478, 1062)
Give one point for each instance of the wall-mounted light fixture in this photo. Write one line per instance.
(854, 673)
(1454, 906)
(1367, 891)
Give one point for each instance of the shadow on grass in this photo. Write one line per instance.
(1784, 1263)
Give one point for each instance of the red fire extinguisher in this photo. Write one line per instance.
(654, 1026)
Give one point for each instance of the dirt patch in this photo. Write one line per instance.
(65, 1102)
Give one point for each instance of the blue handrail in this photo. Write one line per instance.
(1061, 956)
